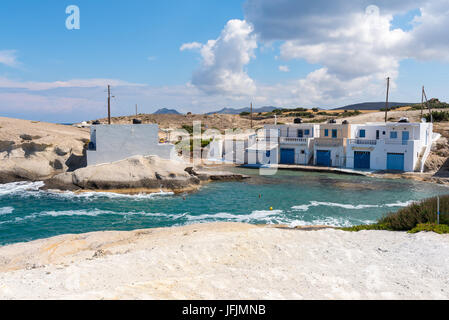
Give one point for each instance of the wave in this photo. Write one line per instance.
(109, 195)
(17, 188)
(255, 215)
(24, 189)
(306, 207)
(6, 210)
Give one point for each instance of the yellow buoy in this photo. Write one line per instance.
(271, 208)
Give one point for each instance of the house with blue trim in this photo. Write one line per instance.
(330, 146)
(398, 146)
(286, 144)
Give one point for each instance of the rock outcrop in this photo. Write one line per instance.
(31, 150)
(138, 174)
(133, 175)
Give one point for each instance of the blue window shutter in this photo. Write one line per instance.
(307, 132)
(326, 133)
(362, 133)
(334, 133)
(393, 135)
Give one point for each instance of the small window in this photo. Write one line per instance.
(268, 154)
(362, 133)
(393, 135)
(300, 134)
(384, 133)
(307, 132)
(334, 133)
(326, 132)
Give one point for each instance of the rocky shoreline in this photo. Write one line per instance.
(149, 174)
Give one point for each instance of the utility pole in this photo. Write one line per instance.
(251, 115)
(386, 105)
(422, 102)
(428, 105)
(136, 110)
(109, 104)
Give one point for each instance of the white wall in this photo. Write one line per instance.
(118, 142)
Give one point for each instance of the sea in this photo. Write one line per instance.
(290, 198)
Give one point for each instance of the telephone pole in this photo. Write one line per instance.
(109, 104)
(422, 102)
(428, 105)
(386, 105)
(251, 115)
(136, 110)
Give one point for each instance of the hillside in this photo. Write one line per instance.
(166, 111)
(239, 111)
(373, 105)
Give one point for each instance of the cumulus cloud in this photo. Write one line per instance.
(222, 69)
(284, 69)
(353, 41)
(9, 58)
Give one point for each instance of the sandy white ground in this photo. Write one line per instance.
(228, 261)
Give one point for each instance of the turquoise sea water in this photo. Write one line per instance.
(297, 198)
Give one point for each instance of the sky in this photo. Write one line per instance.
(202, 55)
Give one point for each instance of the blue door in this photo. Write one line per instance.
(395, 161)
(405, 136)
(323, 158)
(287, 156)
(362, 160)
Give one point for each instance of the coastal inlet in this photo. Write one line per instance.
(297, 198)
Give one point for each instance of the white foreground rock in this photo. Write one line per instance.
(228, 261)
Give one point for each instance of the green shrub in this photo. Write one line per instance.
(411, 217)
(431, 227)
(245, 113)
(438, 116)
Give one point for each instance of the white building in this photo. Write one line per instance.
(389, 146)
(330, 146)
(110, 143)
(283, 144)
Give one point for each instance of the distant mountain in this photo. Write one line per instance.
(166, 111)
(373, 105)
(239, 111)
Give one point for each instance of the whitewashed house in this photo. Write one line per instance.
(330, 146)
(295, 142)
(283, 144)
(389, 146)
(110, 143)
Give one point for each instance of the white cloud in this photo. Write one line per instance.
(284, 69)
(9, 58)
(191, 46)
(353, 42)
(75, 83)
(222, 69)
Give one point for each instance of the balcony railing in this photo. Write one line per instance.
(397, 142)
(363, 142)
(329, 142)
(288, 140)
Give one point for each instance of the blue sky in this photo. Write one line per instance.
(287, 53)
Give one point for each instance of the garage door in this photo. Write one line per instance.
(362, 160)
(287, 156)
(395, 161)
(323, 158)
